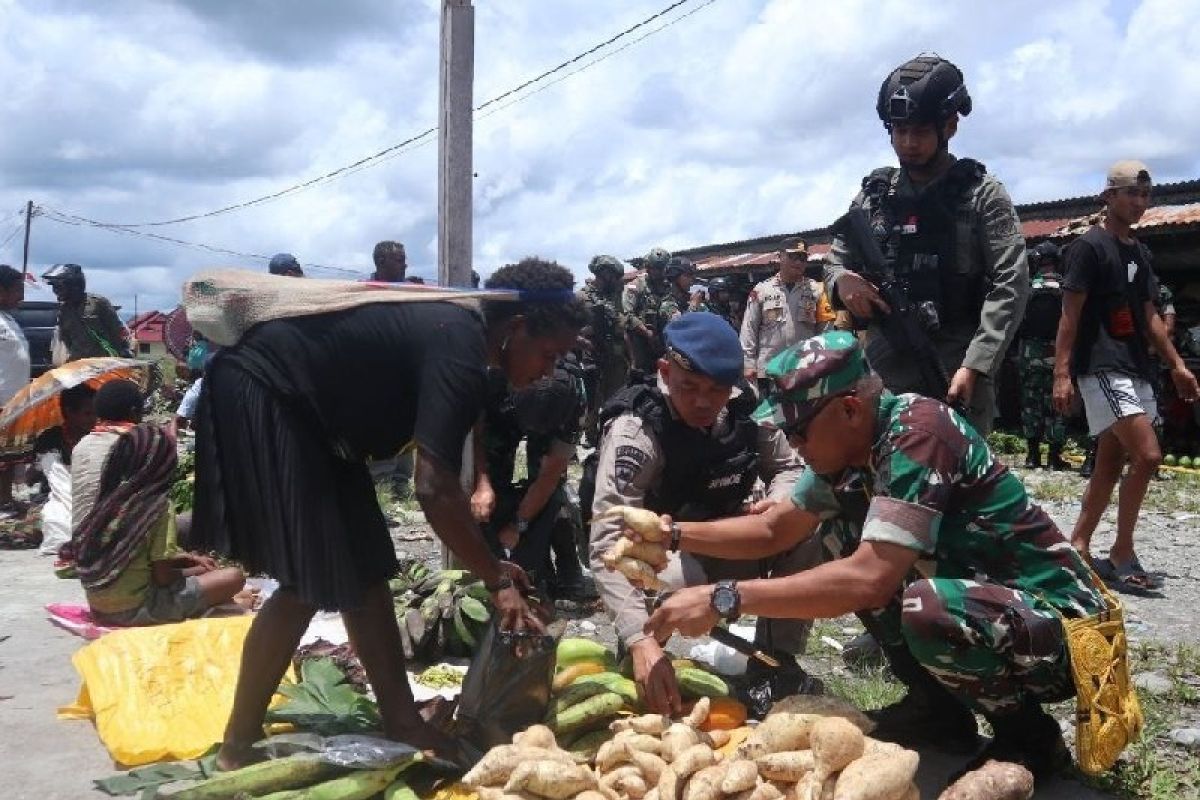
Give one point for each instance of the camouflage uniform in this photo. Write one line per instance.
(674, 306)
(978, 262)
(607, 332)
(642, 302)
(981, 609)
(91, 329)
(1039, 419)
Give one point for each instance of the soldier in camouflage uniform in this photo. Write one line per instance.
(640, 303)
(88, 325)
(1039, 419)
(934, 543)
(951, 241)
(726, 300)
(680, 274)
(607, 360)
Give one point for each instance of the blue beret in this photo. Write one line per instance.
(706, 343)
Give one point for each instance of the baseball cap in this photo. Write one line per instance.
(1126, 174)
(703, 342)
(284, 264)
(828, 364)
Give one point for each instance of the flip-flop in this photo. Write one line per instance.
(1156, 579)
(1124, 579)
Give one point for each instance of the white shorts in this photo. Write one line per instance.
(1110, 396)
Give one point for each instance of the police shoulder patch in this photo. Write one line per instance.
(628, 464)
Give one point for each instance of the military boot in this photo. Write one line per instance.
(1034, 459)
(1029, 737)
(1055, 460)
(928, 715)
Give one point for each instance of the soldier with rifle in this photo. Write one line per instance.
(930, 255)
(606, 365)
(641, 303)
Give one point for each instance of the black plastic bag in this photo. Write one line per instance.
(507, 687)
(762, 686)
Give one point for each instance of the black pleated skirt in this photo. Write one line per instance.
(271, 494)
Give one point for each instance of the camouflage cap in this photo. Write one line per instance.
(828, 364)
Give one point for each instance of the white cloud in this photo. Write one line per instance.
(748, 118)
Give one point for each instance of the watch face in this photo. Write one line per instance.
(724, 600)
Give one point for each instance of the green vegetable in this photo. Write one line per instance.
(571, 651)
(1170, 460)
(322, 702)
(587, 745)
(698, 683)
(1186, 461)
(399, 790)
(588, 713)
(576, 693)
(440, 676)
(357, 785)
(474, 609)
(611, 681)
(263, 778)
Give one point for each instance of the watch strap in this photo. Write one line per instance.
(676, 535)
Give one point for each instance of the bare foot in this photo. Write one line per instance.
(233, 756)
(247, 599)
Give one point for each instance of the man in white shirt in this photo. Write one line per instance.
(14, 364)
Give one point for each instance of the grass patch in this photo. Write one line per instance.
(868, 689)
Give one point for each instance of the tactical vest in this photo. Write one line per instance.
(704, 477)
(921, 237)
(1044, 309)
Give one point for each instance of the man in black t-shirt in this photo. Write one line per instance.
(1108, 319)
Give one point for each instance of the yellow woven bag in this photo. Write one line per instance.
(1107, 713)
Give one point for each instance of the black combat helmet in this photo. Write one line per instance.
(1047, 253)
(721, 283)
(678, 265)
(926, 89)
(657, 258)
(610, 264)
(64, 274)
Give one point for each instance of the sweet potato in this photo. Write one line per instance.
(495, 768)
(790, 765)
(766, 791)
(650, 764)
(649, 724)
(695, 758)
(651, 793)
(877, 777)
(823, 705)
(589, 794)
(668, 784)
(812, 787)
(995, 780)
(631, 786)
(835, 743)
(913, 793)
(550, 779)
(777, 734)
(642, 521)
(652, 553)
(741, 775)
(610, 780)
(678, 738)
(639, 573)
(699, 713)
(706, 784)
(536, 736)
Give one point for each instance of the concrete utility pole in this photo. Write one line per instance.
(28, 222)
(457, 76)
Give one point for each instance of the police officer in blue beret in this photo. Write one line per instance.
(688, 447)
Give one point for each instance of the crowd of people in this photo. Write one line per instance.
(814, 446)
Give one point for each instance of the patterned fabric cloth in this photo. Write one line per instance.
(132, 500)
(1039, 419)
(981, 607)
(640, 304)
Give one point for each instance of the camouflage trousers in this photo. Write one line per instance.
(992, 647)
(1038, 418)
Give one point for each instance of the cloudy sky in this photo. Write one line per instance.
(746, 118)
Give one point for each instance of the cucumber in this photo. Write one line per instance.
(612, 682)
(695, 683)
(262, 778)
(1186, 461)
(1170, 461)
(588, 713)
(572, 651)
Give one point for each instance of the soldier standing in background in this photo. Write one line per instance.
(640, 304)
(725, 299)
(782, 310)
(951, 241)
(88, 325)
(1039, 420)
(606, 364)
(681, 278)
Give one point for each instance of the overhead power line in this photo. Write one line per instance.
(425, 136)
(70, 219)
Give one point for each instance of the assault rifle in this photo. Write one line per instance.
(900, 327)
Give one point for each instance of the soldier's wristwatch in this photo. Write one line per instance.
(726, 600)
(522, 526)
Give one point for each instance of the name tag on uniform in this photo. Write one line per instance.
(909, 227)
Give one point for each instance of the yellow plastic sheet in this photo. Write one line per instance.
(162, 692)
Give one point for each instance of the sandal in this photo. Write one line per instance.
(1156, 579)
(1124, 578)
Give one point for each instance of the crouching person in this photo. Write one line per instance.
(936, 545)
(123, 536)
(688, 447)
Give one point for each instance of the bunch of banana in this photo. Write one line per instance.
(441, 612)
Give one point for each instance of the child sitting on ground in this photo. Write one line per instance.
(123, 536)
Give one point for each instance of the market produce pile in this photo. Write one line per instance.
(441, 612)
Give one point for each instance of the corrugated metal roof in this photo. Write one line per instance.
(742, 260)
(1169, 217)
